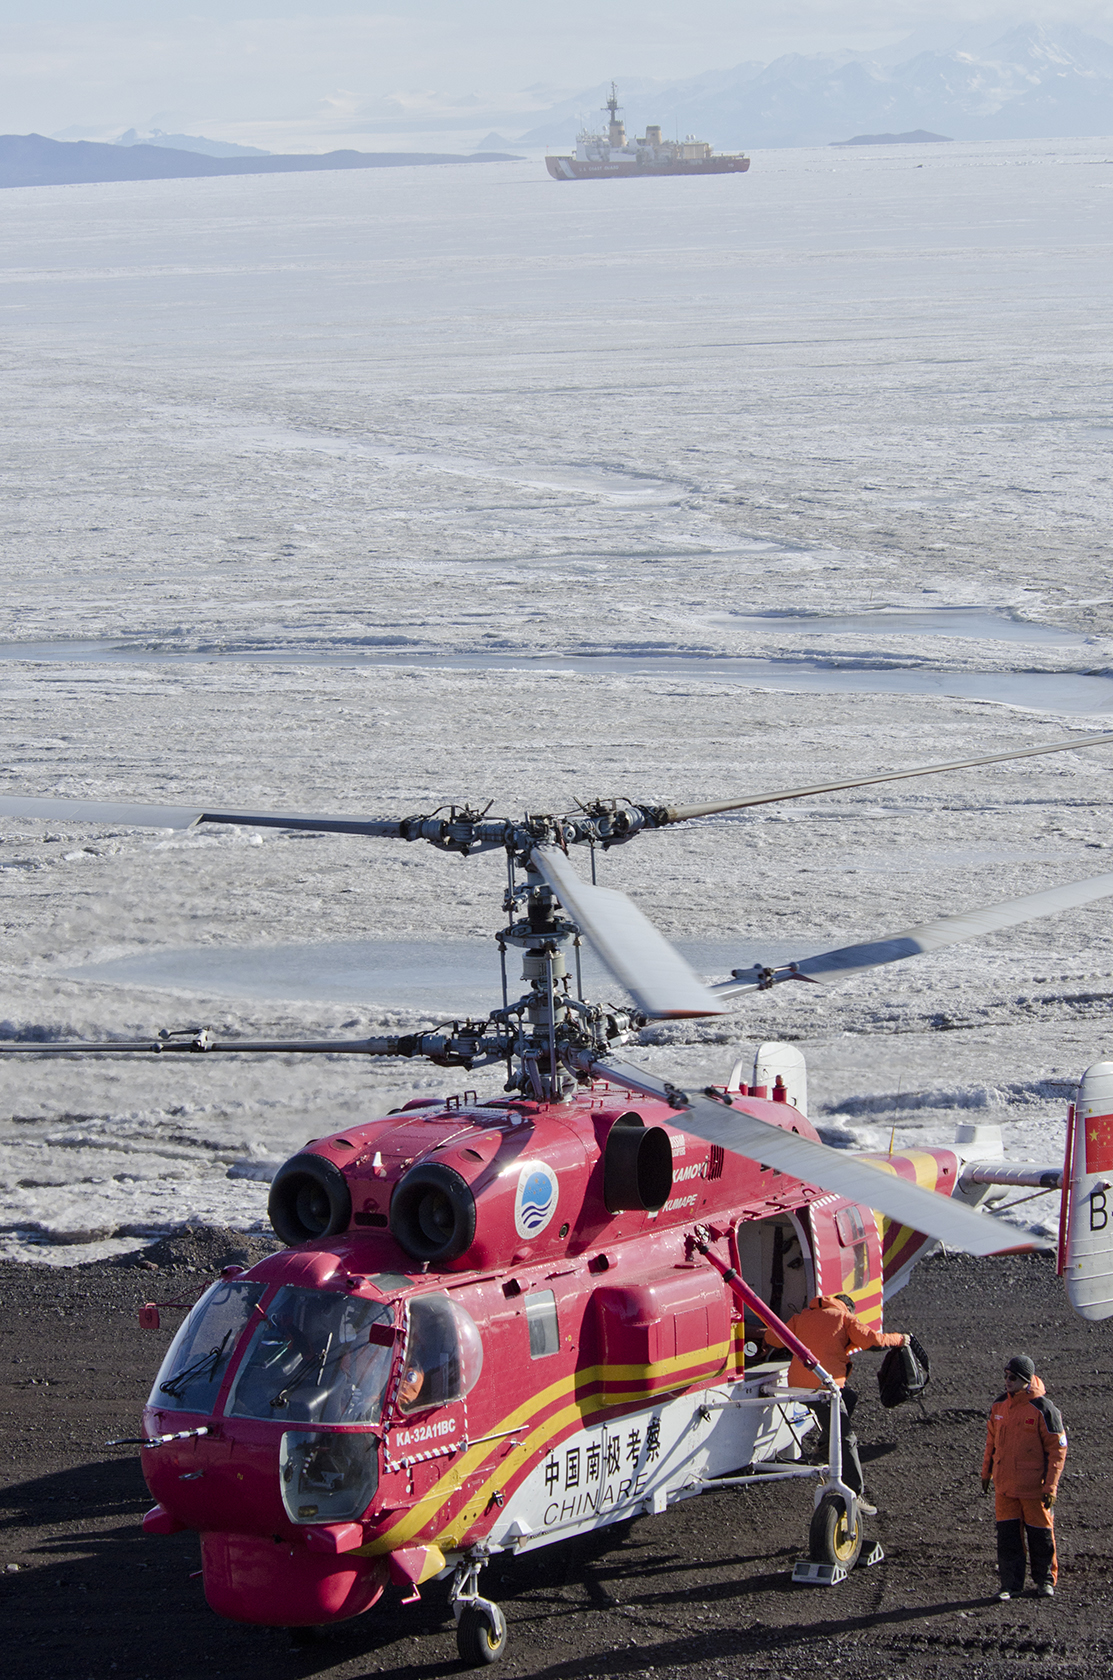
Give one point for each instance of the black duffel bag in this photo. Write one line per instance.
(904, 1374)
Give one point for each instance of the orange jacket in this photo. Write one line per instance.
(1025, 1444)
(830, 1331)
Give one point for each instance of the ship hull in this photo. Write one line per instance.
(572, 169)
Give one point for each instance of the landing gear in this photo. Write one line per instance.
(481, 1634)
(831, 1539)
(480, 1624)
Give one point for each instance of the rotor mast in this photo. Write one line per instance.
(545, 938)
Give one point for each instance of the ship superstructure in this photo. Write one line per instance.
(607, 152)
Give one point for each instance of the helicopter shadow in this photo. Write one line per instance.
(111, 1487)
(746, 1641)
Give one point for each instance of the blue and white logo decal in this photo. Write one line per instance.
(536, 1198)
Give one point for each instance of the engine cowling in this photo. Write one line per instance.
(454, 1186)
(433, 1213)
(309, 1198)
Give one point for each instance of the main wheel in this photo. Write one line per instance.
(481, 1635)
(831, 1538)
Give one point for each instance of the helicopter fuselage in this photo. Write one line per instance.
(559, 1357)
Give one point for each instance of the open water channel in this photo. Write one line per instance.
(858, 670)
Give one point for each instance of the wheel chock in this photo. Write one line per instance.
(818, 1574)
(874, 1555)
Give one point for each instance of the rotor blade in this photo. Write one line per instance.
(178, 816)
(655, 974)
(832, 966)
(814, 1163)
(100, 811)
(682, 813)
(437, 1046)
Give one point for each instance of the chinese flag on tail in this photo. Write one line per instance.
(1099, 1143)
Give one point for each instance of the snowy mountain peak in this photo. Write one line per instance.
(1031, 80)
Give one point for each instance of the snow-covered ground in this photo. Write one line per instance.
(373, 492)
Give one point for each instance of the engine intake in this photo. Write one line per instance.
(309, 1198)
(432, 1213)
(637, 1166)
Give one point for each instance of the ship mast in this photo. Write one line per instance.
(617, 129)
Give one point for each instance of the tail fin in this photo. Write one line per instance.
(1088, 1268)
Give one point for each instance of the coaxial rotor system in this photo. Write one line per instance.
(551, 1039)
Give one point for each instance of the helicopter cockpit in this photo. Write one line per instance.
(197, 1361)
(309, 1359)
(313, 1355)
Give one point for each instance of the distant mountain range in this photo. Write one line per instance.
(1028, 83)
(31, 160)
(189, 143)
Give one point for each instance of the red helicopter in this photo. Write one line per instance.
(499, 1323)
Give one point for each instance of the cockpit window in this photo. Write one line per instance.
(327, 1475)
(311, 1361)
(194, 1368)
(443, 1355)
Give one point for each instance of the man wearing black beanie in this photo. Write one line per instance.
(1024, 1452)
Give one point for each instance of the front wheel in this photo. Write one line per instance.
(831, 1538)
(480, 1635)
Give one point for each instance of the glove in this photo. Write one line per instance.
(985, 1483)
(1048, 1501)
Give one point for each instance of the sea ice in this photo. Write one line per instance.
(418, 487)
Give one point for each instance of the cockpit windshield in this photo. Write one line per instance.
(310, 1360)
(194, 1368)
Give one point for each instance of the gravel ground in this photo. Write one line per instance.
(701, 1591)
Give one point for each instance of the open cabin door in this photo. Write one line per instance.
(846, 1245)
(777, 1263)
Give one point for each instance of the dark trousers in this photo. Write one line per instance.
(851, 1464)
(1031, 1523)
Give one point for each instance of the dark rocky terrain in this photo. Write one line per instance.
(698, 1594)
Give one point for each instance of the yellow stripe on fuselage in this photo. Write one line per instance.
(898, 1237)
(895, 1238)
(923, 1164)
(585, 1405)
(868, 1300)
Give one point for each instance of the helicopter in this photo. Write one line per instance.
(501, 1321)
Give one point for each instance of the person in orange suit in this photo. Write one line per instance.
(1025, 1447)
(829, 1328)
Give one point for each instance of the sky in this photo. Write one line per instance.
(235, 66)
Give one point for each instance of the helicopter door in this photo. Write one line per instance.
(848, 1254)
(776, 1261)
(443, 1355)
